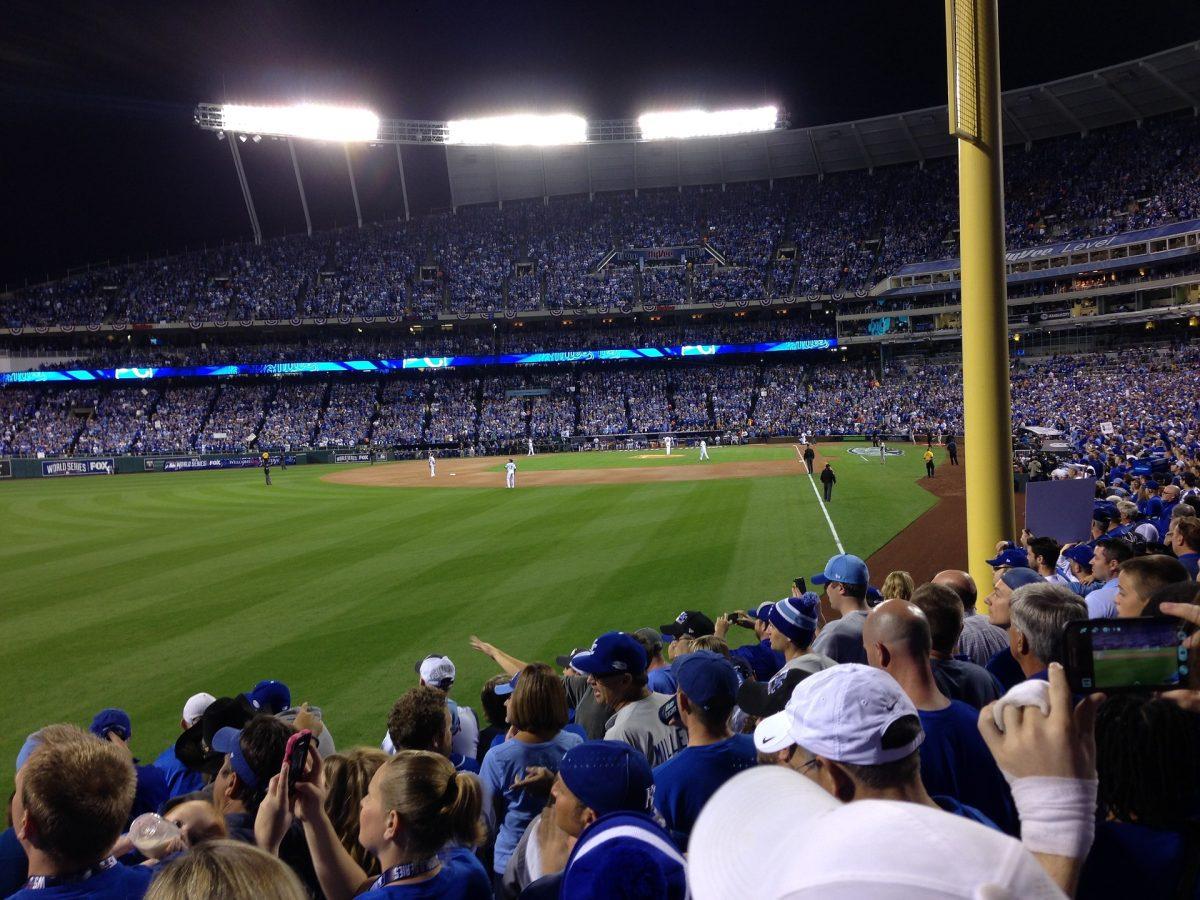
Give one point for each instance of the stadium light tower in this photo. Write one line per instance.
(521, 130)
(973, 70)
(692, 123)
(310, 121)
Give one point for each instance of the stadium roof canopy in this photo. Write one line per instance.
(614, 158)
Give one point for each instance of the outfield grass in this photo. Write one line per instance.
(137, 591)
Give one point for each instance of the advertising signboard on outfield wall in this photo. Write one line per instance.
(194, 463)
(55, 468)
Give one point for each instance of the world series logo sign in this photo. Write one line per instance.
(873, 452)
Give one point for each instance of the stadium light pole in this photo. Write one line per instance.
(973, 69)
(403, 182)
(300, 186)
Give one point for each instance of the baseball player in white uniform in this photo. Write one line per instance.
(510, 474)
(530, 442)
(432, 465)
(668, 441)
(703, 450)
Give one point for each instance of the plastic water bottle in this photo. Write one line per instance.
(151, 834)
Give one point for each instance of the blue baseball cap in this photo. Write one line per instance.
(112, 720)
(845, 569)
(613, 653)
(762, 611)
(1080, 553)
(229, 740)
(608, 776)
(503, 690)
(271, 696)
(708, 678)
(1019, 577)
(633, 848)
(1012, 558)
(796, 617)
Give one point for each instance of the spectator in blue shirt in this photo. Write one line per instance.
(114, 726)
(1183, 538)
(762, 659)
(419, 819)
(958, 679)
(955, 761)
(708, 687)
(71, 801)
(999, 602)
(602, 785)
(512, 792)
(180, 779)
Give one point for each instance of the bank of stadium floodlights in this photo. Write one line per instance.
(347, 125)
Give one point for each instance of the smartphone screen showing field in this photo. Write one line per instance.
(1137, 653)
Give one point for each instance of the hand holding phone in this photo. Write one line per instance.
(1144, 654)
(296, 756)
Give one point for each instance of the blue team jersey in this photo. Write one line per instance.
(180, 779)
(956, 762)
(661, 681)
(115, 883)
(686, 781)
(1130, 860)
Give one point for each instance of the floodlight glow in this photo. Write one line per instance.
(689, 123)
(518, 130)
(311, 121)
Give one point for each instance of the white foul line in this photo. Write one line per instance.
(837, 540)
(832, 530)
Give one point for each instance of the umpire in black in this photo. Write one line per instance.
(809, 456)
(828, 480)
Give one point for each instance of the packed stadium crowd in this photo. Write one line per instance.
(1142, 403)
(839, 235)
(888, 741)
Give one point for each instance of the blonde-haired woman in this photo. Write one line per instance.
(419, 819)
(232, 870)
(898, 585)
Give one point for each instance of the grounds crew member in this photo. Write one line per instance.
(266, 465)
(828, 480)
(928, 457)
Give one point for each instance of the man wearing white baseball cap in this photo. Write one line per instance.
(180, 779)
(853, 731)
(438, 671)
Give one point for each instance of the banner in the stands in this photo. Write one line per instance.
(148, 373)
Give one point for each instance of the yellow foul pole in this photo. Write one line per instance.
(973, 59)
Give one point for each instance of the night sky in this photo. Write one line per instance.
(101, 160)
